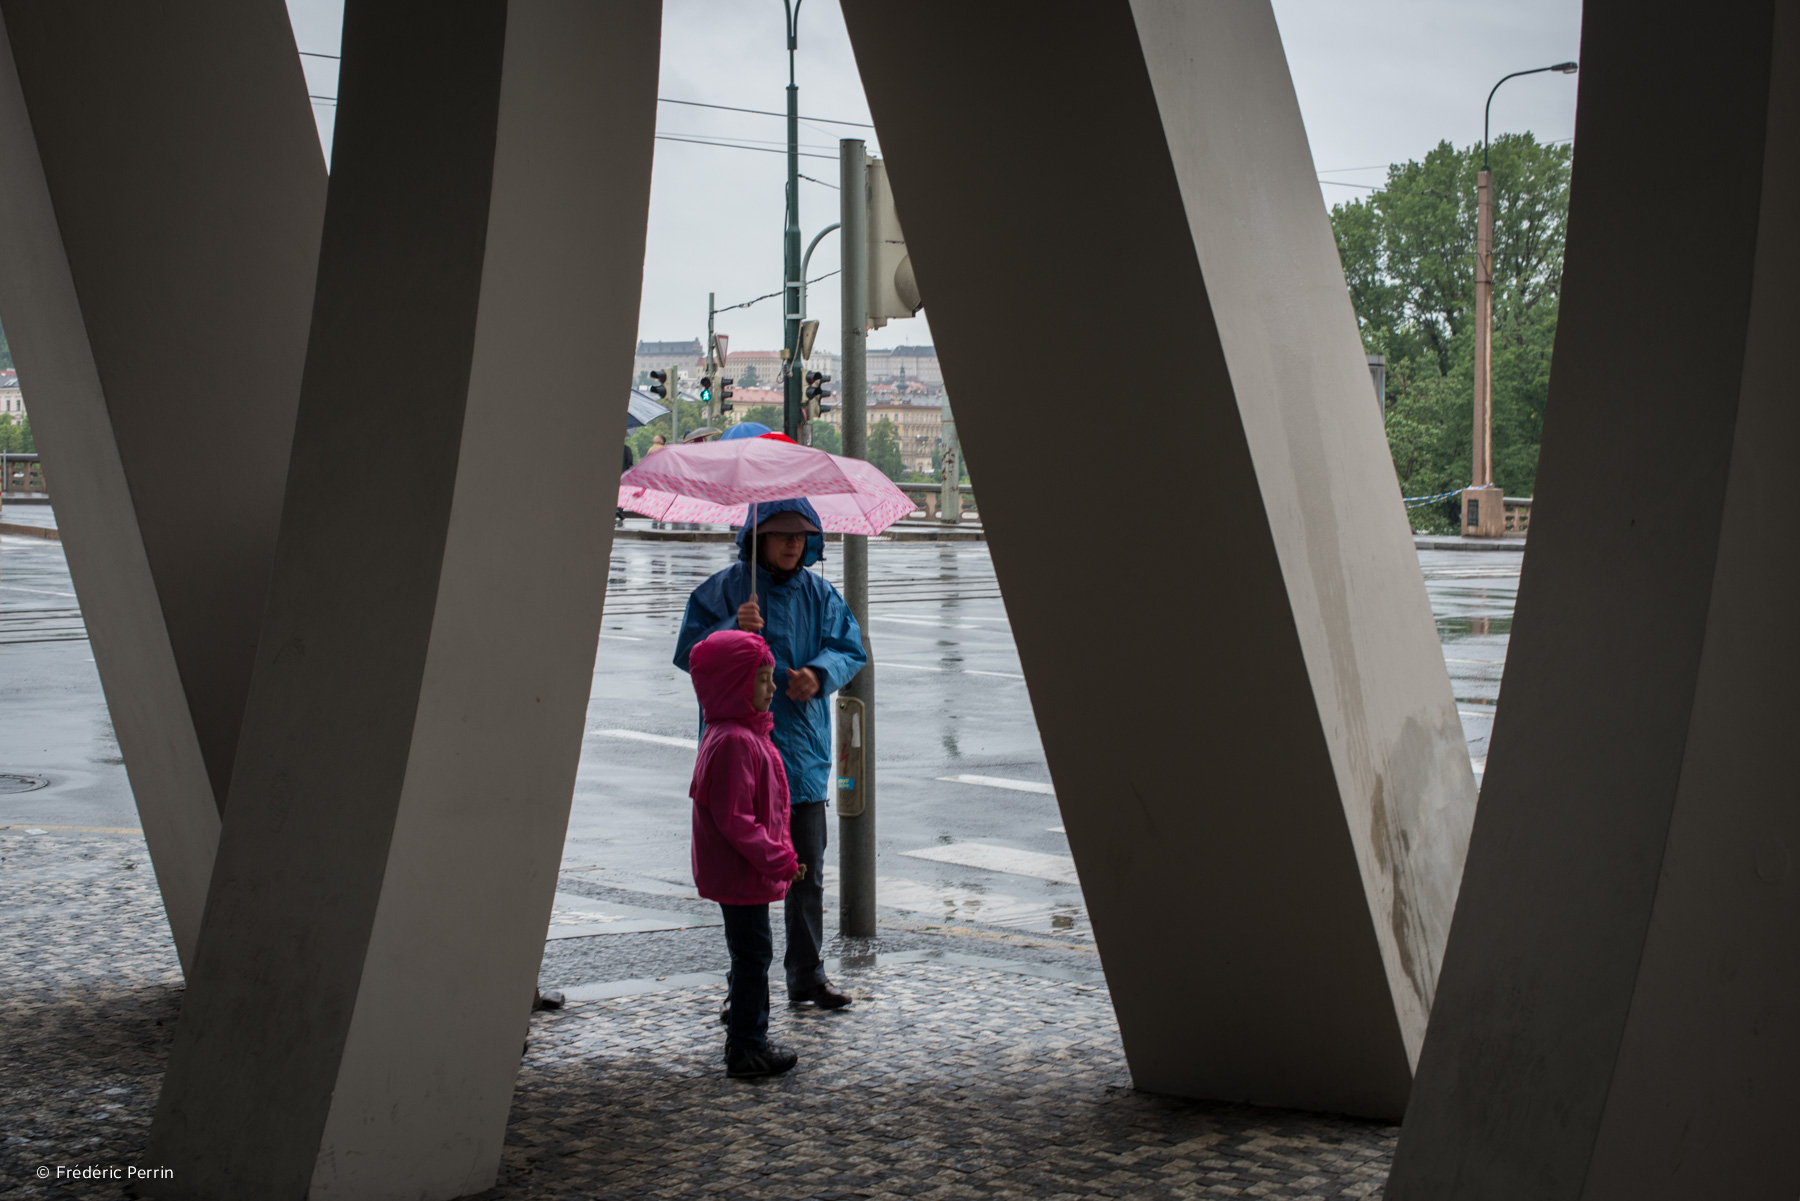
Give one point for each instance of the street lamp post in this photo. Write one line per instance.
(1484, 506)
(791, 272)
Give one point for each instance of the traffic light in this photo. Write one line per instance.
(816, 393)
(706, 389)
(725, 394)
(660, 388)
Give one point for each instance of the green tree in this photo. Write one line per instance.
(769, 415)
(826, 437)
(884, 449)
(15, 436)
(748, 379)
(1409, 259)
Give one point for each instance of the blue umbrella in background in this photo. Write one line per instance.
(745, 429)
(642, 409)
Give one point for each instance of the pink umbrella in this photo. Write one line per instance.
(720, 482)
(717, 482)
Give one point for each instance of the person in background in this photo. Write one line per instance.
(657, 443)
(743, 858)
(818, 648)
(629, 464)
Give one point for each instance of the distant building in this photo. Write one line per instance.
(905, 364)
(12, 401)
(660, 356)
(918, 425)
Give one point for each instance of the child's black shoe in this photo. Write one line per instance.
(758, 1061)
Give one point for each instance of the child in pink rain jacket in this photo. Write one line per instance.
(743, 857)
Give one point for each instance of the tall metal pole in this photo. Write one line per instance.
(790, 293)
(856, 834)
(674, 406)
(1482, 469)
(1491, 519)
(711, 372)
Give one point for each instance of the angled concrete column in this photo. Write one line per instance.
(402, 786)
(1620, 1008)
(162, 198)
(1231, 657)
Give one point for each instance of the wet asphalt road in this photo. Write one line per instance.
(969, 831)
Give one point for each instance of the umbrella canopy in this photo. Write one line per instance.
(717, 482)
(744, 429)
(642, 409)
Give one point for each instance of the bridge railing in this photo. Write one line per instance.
(23, 474)
(929, 496)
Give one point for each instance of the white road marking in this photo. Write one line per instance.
(1057, 830)
(955, 671)
(1482, 662)
(1480, 765)
(951, 903)
(659, 739)
(1012, 862)
(34, 591)
(621, 638)
(922, 621)
(1472, 713)
(1001, 782)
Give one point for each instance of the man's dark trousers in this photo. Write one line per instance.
(806, 901)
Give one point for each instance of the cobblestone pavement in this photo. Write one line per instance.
(950, 1077)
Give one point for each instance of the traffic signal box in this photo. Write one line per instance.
(816, 394)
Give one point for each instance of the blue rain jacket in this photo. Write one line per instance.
(806, 624)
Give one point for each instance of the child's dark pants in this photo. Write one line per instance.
(752, 949)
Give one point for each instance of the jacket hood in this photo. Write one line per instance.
(815, 543)
(723, 668)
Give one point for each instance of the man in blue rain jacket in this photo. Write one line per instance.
(818, 649)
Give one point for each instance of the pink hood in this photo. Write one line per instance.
(723, 668)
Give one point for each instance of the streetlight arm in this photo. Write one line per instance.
(806, 262)
(1568, 68)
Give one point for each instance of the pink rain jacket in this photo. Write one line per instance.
(742, 852)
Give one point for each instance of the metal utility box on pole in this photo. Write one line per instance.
(674, 406)
(856, 700)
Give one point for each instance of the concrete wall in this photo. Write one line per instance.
(1620, 1009)
(386, 868)
(163, 194)
(1233, 664)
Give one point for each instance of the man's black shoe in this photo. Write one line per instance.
(822, 995)
(758, 1061)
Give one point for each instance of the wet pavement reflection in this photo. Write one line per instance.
(970, 835)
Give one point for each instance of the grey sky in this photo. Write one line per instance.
(1379, 81)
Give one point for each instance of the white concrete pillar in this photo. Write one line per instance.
(396, 818)
(1620, 1008)
(1231, 656)
(162, 199)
